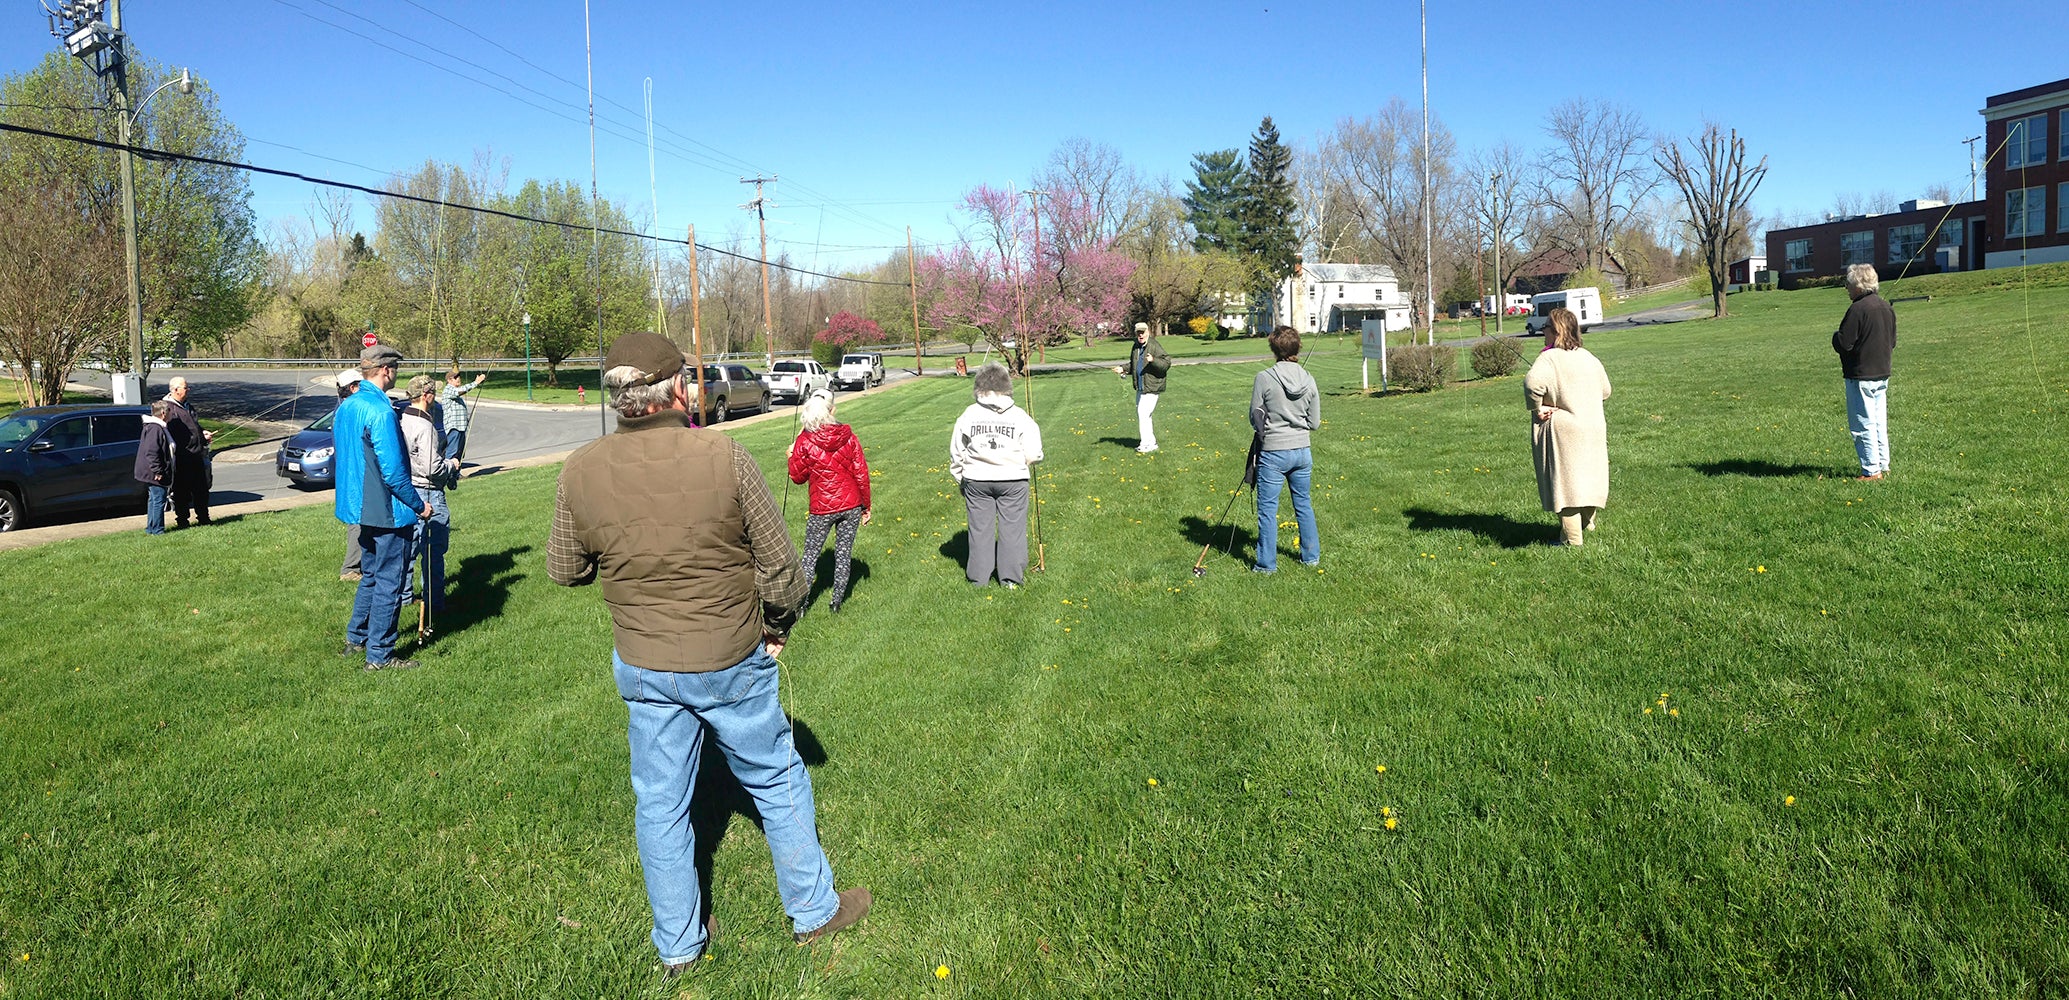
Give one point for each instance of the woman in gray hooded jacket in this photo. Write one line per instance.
(1285, 407)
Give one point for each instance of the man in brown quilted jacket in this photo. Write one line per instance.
(677, 526)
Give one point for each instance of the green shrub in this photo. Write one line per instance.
(826, 353)
(1495, 357)
(1422, 367)
(1832, 281)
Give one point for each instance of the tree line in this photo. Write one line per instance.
(1085, 248)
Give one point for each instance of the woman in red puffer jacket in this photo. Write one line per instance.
(829, 456)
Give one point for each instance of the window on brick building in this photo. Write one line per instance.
(1857, 248)
(1905, 242)
(2026, 141)
(1796, 255)
(2025, 212)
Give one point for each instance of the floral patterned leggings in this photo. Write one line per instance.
(843, 547)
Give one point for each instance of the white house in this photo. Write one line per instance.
(1334, 297)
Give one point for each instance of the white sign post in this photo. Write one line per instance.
(1373, 339)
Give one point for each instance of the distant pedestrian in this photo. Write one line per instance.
(1866, 338)
(1285, 408)
(829, 455)
(1569, 438)
(989, 454)
(456, 415)
(678, 527)
(154, 466)
(429, 472)
(374, 492)
(191, 473)
(1146, 367)
(348, 383)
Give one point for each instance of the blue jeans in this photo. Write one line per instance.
(1275, 469)
(428, 547)
(455, 443)
(1867, 414)
(668, 713)
(384, 569)
(154, 510)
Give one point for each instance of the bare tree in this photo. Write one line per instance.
(1378, 163)
(1328, 223)
(1499, 208)
(1717, 185)
(1093, 182)
(1593, 177)
(62, 287)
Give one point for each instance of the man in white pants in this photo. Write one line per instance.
(1146, 366)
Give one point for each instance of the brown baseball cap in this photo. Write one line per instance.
(421, 384)
(647, 352)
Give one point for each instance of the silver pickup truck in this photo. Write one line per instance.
(731, 389)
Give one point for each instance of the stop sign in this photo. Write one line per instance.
(368, 340)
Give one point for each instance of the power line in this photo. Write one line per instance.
(166, 155)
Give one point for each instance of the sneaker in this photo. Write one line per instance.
(350, 576)
(1010, 585)
(1871, 475)
(854, 903)
(352, 649)
(1260, 569)
(393, 665)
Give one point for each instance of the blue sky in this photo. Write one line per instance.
(878, 115)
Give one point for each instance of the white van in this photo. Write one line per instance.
(1586, 304)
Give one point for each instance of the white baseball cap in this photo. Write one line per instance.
(348, 378)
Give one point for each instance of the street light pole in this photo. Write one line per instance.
(527, 356)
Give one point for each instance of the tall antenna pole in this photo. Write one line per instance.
(595, 221)
(697, 331)
(761, 216)
(919, 367)
(1429, 225)
(1501, 292)
(1034, 199)
(654, 200)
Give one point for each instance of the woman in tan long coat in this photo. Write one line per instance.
(1569, 439)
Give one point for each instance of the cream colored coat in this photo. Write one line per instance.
(1570, 450)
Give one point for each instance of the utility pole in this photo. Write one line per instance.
(1501, 292)
(129, 251)
(1429, 225)
(760, 205)
(1972, 140)
(696, 330)
(919, 367)
(1034, 199)
(595, 228)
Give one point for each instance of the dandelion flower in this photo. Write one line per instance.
(1379, 769)
(1648, 711)
(1386, 810)
(1787, 800)
(1152, 782)
(1392, 822)
(1759, 569)
(1675, 712)
(941, 972)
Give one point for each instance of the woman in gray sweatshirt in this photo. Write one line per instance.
(1285, 406)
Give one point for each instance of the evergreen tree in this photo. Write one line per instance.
(1267, 206)
(1214, 198)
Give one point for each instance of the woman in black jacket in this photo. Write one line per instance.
(154, 465)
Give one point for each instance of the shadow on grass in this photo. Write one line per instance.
(478, 588)
(1229, 539)
(822, 574)
(718, 796)
(1497, 528)
(1755, 469)
(958, 548)
(1129, 443)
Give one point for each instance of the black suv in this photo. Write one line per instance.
(60, 458)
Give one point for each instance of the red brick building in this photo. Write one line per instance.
(1925, 237)
(2027, 175)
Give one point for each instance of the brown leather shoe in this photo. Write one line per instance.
(1876, 475)
(674, 969)
(854, 903)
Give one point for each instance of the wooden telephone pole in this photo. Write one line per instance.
(759, 205)
(919, 366)
(697, 331)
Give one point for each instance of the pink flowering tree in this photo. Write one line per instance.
(847, 330)
(999, 281)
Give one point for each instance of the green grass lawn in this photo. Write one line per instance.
(1773, 732)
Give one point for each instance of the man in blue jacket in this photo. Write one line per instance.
(374, 492)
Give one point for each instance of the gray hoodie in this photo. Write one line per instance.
(1284, 406)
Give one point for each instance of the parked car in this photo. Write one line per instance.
(1586, 304)
(308, 458)
(66, 458)
(789, 381)
(859, 371)
(732, 388)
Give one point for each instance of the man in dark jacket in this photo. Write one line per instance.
(189, 454)
(154, 465)
(678, 527)
(1865, 340)
(1147, 364)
